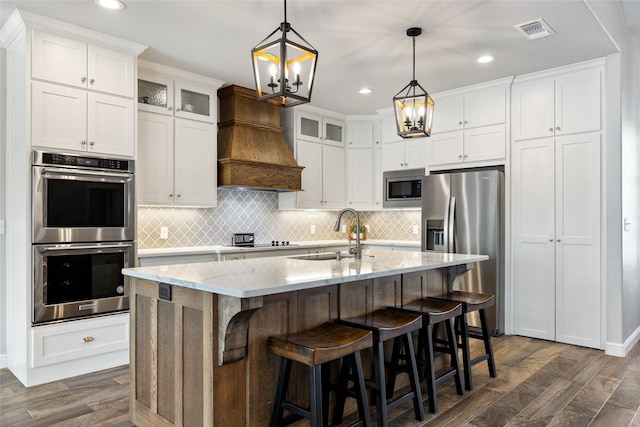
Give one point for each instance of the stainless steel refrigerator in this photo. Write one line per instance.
(463, 212)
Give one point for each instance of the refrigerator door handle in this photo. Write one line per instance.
(451, 225)
(445, 230)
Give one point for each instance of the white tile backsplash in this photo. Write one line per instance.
(242, 211)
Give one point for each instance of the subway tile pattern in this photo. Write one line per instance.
(243, 211)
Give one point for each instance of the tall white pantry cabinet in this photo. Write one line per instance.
(69, 89)
(556, 204)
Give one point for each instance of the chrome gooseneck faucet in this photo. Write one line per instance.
(357, 251)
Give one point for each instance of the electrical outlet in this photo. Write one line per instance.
(164, 232)
(344, 228)
(415, 229)
(313, 229)
(368, 227)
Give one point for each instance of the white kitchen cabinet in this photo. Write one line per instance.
(317, 139)
(360, 178)
(470, 126)
(177, 161)
(364, 173)
(405, 154)
(471, 145)
(74, 119)
(73, 62)
(479, 107)
(319, 128)
(80, 339)
(556, 240)
(158, 93)
(560, 105)
(323, 178)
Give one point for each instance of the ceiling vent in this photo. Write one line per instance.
(535, 29)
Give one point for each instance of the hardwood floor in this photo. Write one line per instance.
(539, 383)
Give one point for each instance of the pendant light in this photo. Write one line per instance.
(413, 106)
(284, 66)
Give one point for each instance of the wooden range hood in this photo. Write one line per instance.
(252, 151)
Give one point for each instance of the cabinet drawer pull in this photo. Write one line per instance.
(88, 339)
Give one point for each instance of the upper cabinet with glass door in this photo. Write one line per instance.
(318, 128)
(158, 93)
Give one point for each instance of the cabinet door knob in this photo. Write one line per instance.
(83, 79)
(88, 339)
(170, 195)
(465, 156)
(170, 108)
(83, 142)
(178, 109)
(92, 143)
(465, 122)
(91, 81)
(550, 129)
(460, 122)
(178, 195)
(551, 240)
(459, 156)
(559, 240)
(557, 127)
(377, 142)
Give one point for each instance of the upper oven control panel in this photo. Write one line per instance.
(41, 158)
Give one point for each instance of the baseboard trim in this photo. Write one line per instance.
(621, 350)
(3, 361)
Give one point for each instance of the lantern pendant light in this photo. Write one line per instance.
(284, 66)
(413, 106)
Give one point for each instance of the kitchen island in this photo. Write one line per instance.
(199, 331)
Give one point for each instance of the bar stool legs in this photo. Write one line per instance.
(471, 302)
(435, 312)
(386, 325)
(316, 348)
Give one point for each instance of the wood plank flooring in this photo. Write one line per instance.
(539, 383)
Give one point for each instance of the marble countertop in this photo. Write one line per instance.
(266, 276)
(302, 244)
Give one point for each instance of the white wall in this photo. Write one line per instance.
(623, 163)
(3, 294)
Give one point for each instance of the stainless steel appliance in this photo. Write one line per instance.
(402, 188)
(83, 235)
(463, 212)
(82, 199)
(74, 280)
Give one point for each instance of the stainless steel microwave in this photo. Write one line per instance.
(402, 188)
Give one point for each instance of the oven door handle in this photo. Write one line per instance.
(73, 248)
(119, 177)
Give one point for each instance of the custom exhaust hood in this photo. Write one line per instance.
(252, 151)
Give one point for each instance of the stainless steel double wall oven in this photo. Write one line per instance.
(83, 211)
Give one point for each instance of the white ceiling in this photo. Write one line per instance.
(360, 43)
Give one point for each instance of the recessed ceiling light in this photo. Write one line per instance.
(365, 90)
(111, 4)
(485, 59)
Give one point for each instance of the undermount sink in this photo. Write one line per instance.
(323, 256)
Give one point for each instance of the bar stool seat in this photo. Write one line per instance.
(435, 312)
(473, 301)
(386, 325)
(315, 348)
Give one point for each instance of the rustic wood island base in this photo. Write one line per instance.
(199, 331)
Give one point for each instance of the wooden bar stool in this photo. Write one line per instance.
(472, 301)
(315, 348)
(435, 312)
(386, 325)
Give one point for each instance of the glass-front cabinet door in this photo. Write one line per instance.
(155, 93)
(333, 131)
(309, 127)
(195, 103)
